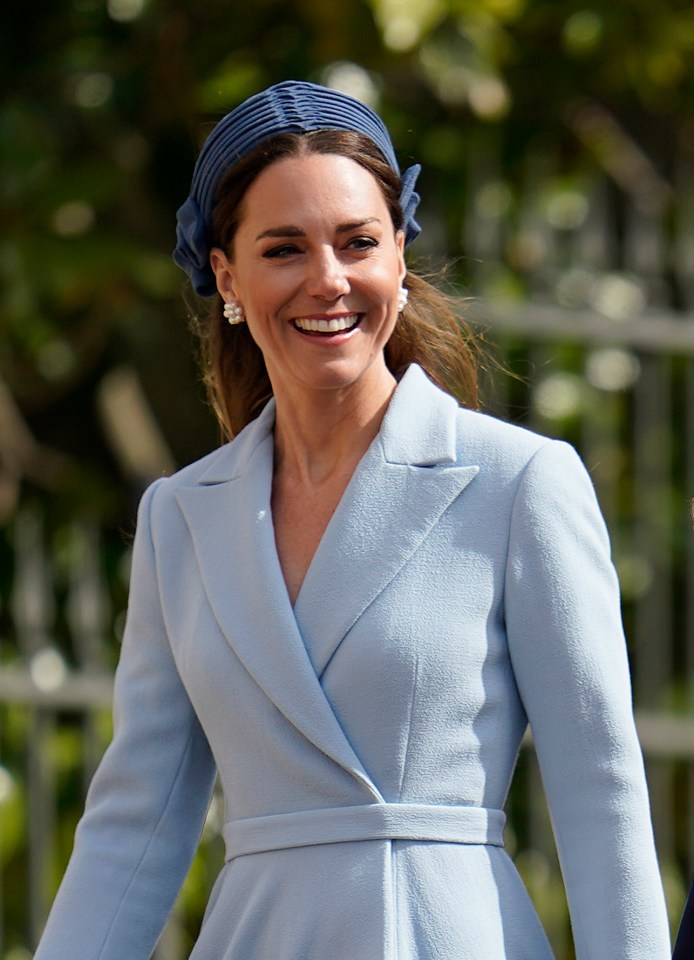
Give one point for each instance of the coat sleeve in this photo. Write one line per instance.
(147, 801)
(569, 658)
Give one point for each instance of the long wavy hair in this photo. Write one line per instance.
(428, 331)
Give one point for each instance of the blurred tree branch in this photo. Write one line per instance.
(21, 457)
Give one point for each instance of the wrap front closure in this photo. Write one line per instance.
(375, 821)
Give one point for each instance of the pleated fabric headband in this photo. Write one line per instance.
(289, 107)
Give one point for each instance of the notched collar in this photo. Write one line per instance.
(419, 427)
(231, 461)
(405, 481)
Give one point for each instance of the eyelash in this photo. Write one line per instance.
(276, 252)
(364, 242)
(288, 249)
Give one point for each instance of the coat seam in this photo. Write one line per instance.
(409, 729)
(512, 513)
(138, 866)
(394, 948)
(143, 856)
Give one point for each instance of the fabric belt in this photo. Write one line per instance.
(376, 821)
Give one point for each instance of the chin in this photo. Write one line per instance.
(336, 374)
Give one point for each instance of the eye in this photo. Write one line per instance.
(362, 243)
(283, 250)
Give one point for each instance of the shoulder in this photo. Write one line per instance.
(162, 492)
(519, 458)
(193, 473)
(488, 437)
(225, 463)
(511, 450)
(228, 460)
(428, 425)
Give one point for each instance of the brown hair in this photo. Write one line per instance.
(428, 331)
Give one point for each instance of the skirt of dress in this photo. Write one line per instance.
(372, 900)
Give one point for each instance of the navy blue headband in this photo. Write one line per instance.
(289, 107)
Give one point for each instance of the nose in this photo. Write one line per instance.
(327, 278)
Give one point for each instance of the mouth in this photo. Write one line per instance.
(326, 326)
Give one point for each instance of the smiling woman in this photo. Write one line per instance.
(316, 264)
(427, 332)
(352, 610)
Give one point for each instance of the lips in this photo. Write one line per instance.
(327, 324)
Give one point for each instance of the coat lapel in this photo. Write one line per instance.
(228, 515)
(406, 480)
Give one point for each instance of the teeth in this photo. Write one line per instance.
(334, 325)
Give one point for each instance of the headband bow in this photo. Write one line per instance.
(289, 107)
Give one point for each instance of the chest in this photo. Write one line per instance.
(418, 681)
(300, 518)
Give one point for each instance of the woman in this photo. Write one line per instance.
(352, 610)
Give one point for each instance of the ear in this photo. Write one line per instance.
(400, 244)
(224, 273)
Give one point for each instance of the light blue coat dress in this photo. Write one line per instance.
(365, 739)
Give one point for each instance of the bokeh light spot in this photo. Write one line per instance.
(93, 90)
(353, 80)
(582, 31)
(124, 11)
(612, 369)
(48, 670)
(74, 218)
(618, 297)
(558, 396)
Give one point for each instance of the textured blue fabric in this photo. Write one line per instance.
(289, 107)
(462, 588)
(374, 821)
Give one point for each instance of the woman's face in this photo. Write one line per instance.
(317, 267)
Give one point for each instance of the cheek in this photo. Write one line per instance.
(384, 282)
(264, 294)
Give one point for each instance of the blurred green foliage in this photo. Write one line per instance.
(103, 105)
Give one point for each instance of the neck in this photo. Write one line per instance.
(319, 434)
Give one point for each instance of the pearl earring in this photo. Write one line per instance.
(233, 312)
(403, 296)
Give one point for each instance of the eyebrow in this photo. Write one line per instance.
(290, 231)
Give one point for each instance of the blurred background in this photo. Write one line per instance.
(558, 191)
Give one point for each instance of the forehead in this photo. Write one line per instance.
(294, 188)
